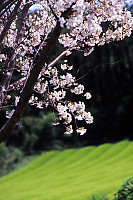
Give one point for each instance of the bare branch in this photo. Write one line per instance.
(66, 52)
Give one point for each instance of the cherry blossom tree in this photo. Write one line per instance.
(26, 41)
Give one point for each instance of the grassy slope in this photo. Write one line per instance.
(71, 174)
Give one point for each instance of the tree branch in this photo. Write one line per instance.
(66, 52)
(52, 11)
(5, 6)
(10, 67)
(9, 22)
(18, 84)
(27, 91)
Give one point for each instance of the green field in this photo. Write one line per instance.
(72, 174)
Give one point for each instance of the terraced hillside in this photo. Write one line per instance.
(71, 174)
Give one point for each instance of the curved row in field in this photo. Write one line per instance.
(72, 174)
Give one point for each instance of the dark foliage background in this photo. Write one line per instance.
(109, 78)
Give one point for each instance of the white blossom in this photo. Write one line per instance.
(69, 130)
(81, 130)
(16, 100)
(87, 95)
(9, 114)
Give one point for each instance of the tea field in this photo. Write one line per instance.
(72, 174)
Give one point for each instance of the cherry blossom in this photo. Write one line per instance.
(87, 95)
(27, 38)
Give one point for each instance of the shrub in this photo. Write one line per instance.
(9, 156)
(126, 190)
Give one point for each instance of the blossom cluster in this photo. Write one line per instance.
(54, 93)
(86, 23)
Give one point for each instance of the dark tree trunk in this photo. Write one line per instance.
(27, 91)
